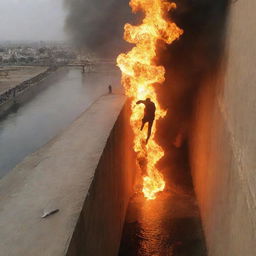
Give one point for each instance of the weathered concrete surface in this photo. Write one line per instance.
(223, 149)
(60, 176)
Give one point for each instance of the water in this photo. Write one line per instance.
(167, 226)
(34, 123)
(170, 225)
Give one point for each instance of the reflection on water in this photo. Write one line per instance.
(167, 226)
(34, 123)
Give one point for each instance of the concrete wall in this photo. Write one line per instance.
(223, 145)
(99, 229)
(84, 172)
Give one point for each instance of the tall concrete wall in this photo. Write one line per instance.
(87, 173)
(223, 145)
(99, 229)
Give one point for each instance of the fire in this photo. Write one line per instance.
(139, 75)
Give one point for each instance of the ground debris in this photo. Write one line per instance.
(49, 213)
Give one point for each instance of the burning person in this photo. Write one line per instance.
(149, 115)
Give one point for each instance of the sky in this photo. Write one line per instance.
(32, 20)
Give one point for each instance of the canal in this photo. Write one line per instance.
(65, 96)
(171, 224)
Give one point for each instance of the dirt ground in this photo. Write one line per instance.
(14, 75)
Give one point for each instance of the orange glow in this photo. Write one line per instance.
(139, 75)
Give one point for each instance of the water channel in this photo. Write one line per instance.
(65, 96)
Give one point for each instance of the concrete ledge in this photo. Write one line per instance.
(60, 176)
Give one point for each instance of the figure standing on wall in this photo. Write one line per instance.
(110, 89)
(149, 115)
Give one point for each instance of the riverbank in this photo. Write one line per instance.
(11, 76)
(22, 91)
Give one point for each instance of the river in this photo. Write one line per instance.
(65, 96)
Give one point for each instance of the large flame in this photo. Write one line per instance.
(139, 74)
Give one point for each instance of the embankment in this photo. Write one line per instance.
(23, 91)
(87, 173)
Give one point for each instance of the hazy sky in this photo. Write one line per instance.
(32, 20)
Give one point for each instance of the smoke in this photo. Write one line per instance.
(198, 53)
(97, 25)
(189, 63)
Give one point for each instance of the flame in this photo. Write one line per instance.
(139, 75)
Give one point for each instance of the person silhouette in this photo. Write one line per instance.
(149, 115)
(110, 89)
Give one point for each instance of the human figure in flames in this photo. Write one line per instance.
(149, 115)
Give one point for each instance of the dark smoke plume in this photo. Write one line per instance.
(189, 63)
(197, 53)
(97, 25)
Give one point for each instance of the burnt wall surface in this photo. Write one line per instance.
(223, 144)
(188, 62)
